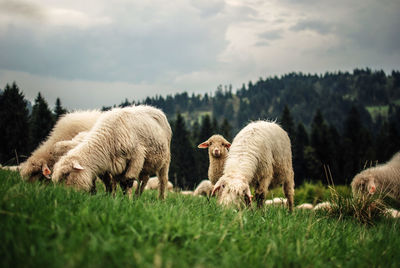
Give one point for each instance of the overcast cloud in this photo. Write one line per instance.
(95, 53)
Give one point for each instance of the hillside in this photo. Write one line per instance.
(374, 93)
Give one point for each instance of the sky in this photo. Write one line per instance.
(96, 53)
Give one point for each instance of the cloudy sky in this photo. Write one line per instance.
(98, 52)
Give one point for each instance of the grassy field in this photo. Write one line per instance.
(51, 226)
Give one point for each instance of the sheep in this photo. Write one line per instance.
(10, 168)
(393, 213)
(381, 179)
(41, 162)
(204, 188)
(62, 147)
(187, 192)
(305, 206)
(323, 205)
(277, 201)
(218, 148)
(153, 184)
(260, 156)
(128, 143)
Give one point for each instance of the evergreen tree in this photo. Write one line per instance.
(14, 134)
(357, 145)
(59, 110)
(322, 146)
(287, 122)
(182, 167)
(41, 121)
(226, 130)
(301, 141)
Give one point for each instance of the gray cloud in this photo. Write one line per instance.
(271, 35)
(23, 9)
(318, 26)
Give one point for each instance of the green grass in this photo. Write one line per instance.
(52, 226)
(375, 111)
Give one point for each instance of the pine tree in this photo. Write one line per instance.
(226, 130)
(287, 122)
(357, 145)
(59, 110)
(182, 168)
(14, 123)
(41, 121)
(301, 141)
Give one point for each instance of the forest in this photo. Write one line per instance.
(339, 123)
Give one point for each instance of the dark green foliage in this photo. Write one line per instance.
(14, 124)
(182, 171)
(59, 110)
(299, 144)
(286, 122)
(41, 121)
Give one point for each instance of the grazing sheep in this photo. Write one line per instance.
(260, 156)
(305, 206)
(217, 151)
(153, 184)
(62, 147)
(10, 168)
(187, 192)
(41, 162)
(277, 201)
(204, 188)
(382, 179)
(323, 205)
(128, 143)
(391, 212)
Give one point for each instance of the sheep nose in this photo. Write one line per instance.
(217, 152)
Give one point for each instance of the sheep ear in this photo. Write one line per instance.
(249, 197)
(371, 186)
(77, 166)
(215, 190)
(46, 171)
(204, 145)
(227, 145)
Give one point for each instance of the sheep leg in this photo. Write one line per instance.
(143, 179)
(93, 190)
(109, 182)
(260, 197)
(288, 189)
(162, 181)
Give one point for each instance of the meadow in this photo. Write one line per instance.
(53, 226)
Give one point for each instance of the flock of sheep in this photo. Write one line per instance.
(126, 146)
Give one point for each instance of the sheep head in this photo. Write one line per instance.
(73, 173)
(231, 190)
(217, 146)
(364, 184)
(33, 169)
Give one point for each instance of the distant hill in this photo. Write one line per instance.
(375, 94)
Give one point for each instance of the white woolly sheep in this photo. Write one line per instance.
(128, 143)
(382, 179)
(260, 156)
(323, 205)
(391, 212)
(153, 184)
(62, 147)
(277, 201)
(218, 148)
(305, 206)
(187, 192)
(67, 127)
(204, 188)
(10, 168)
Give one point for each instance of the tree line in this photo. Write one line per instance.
(338, 123)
